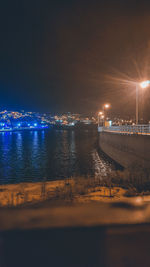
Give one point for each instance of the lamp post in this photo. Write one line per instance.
(105, 106)
(100, 115)
(137, 104)
(143, 85)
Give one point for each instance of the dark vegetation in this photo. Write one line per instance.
(135, 180)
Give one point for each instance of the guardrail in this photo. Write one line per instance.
(128, 129)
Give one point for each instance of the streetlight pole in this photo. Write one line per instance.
(105, 106)
(103, 115)
(143, 85)
(137, 103)
(99, 118)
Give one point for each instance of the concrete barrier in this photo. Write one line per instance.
(126, 149)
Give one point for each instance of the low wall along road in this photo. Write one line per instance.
(126, 145)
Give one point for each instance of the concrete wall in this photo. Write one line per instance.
(126, 149)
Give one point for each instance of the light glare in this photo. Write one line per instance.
(106, 105)
(145, 84)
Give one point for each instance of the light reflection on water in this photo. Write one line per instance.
(101, 166)
(51, 154)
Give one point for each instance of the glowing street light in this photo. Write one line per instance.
(105, 106)
(143, 85)
(100, 116)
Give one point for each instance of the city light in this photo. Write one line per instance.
(17, 121)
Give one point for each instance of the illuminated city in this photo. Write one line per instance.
(14, 120)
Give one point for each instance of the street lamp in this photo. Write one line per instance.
(143, 85)
(100, 116)
(105, 106)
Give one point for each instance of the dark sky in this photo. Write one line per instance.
(63, 55)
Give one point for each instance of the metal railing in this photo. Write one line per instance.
(128, 129)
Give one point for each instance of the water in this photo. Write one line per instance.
(49, 154)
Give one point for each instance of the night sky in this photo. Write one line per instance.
(60, 56)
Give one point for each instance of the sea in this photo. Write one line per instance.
(50, 154)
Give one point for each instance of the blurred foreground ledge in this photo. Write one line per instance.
(115, 234)
(135, 210)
